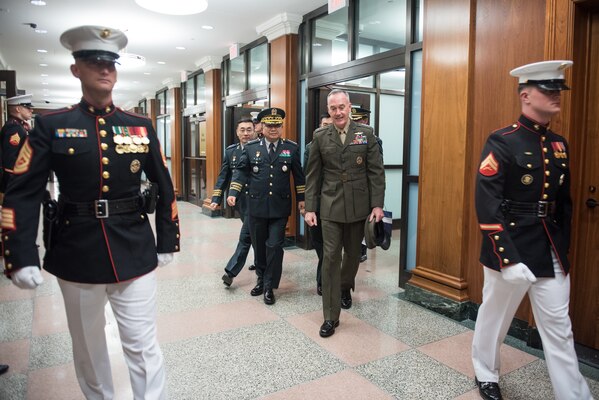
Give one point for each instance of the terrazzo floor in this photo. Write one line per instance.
(221, 343)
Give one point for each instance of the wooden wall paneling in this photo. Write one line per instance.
(445, 94)
(284, 76)
(174, 110)
(152, 110)
(214, 139)
(505, 38)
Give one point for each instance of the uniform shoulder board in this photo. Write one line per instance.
(507, 129)
(320, 129)
(232, 146)
(289, 141)
(253, 141)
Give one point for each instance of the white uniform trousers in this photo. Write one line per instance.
(549, 298)
(134, 306)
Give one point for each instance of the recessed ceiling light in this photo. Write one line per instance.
(43, 65)
(174, 7)
(180, 48)
(207, 27)
(44, 75)
(42, 51)
(44, 83)
(38, 2)
(41, 31)
(160, 62)
(147, 73)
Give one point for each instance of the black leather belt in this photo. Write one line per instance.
(102, 208)
(539, 209)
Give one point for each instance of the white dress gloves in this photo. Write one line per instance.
(518, 273)
(27, 277)
(164, 258)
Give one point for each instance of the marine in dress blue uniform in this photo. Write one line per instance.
(267, 165)
(102, 247)
(13, 135)
(524, 211)
(245, 132)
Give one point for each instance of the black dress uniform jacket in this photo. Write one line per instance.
(269, 183)
(528, 164)
(232, 158)
(96, 154)
(12, 137)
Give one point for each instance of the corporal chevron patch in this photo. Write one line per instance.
(489, 166)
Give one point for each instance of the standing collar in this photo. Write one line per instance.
(533, 125)
(84, 105)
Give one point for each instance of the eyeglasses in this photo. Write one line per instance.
(273, 125)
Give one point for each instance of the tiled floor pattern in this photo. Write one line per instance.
(221, 343)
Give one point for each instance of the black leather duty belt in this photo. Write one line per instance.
(539, 209)
(102, 208)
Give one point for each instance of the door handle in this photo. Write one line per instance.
(592, 203)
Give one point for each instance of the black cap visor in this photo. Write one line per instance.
(549, 84)
(97, 55)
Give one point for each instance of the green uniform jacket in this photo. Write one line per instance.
(350, 177)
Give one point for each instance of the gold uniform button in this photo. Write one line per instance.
(105, 188)
(103, 133)
(544, 149)
(7, 252)
(178, 236)
(501, 249)
(270, 193)
(512, 224)
(270, 183)
(537, 127)
(107, 109)
(496, 237)
(271, 175)
(564, 165)
(515, 126)
(105, 160)
(67, 222)
(106, 175)
(176, 224)
(546, 161)
(272, 166)
(176, 247)
(5, 238)
(142, 216)
(546, 185)
(548, 173)
(71, 150)
(8, 266)
(104, 146)
(506, 260)
(101, 121)
(529, 166)
(543, 138)
(545, 197)
(91, 109)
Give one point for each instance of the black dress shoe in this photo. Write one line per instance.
(346, 299)
(363, 256)
(269, 297)
(319, 290)
(252, 267)
(3, 368)
(488, 390)
(257, 290)
(328, 328)
(227, 279)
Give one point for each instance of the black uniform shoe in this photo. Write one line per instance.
(257, 290)
(363, 256)
(346, 299)
(227, 279)
(319, 290)
(252, 267)
(488, 390)
(269, 297)
(328, 328)
(3, 368)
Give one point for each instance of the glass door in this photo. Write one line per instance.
(195, 160)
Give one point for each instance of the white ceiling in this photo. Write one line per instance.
(151, 35)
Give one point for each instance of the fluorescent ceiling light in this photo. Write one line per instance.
(130, 60)
(174, 7)
(38, 2)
